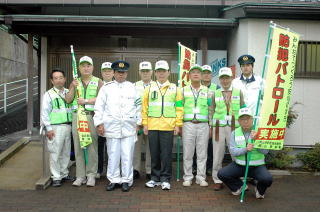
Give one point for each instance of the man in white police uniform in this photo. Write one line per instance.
(249, 83)
(117, 116)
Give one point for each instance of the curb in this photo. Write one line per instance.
(8, 153)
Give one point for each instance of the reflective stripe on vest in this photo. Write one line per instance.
(91, 92)
(220, 112)
(162, 105)
(257, 158)
(61, 111)
(190, 104)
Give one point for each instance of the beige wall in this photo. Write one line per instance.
(251, 37)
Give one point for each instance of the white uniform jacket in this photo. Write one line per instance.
(250, 89)
(118, 107)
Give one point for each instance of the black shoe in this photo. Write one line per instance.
(125, 187)
(111, 187)
(148, 176)
(68, 178)
(56, 183)
(136, 174)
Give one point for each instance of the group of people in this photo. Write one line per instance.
(125, 117)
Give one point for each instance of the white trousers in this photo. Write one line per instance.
(120, 149)
(59, 149)
(219, 149)
(142, 141)
(195, 137)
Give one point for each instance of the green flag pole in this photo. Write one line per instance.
(257, 112)
(178, 140)
(75, 76)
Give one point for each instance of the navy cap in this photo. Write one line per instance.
(246, 59)
(120, 65)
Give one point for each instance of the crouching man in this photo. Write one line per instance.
(239, 147)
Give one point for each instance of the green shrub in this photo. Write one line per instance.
(280, 159)
(311, 158)
(292, 114)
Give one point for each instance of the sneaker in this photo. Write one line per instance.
(68, 178)
(165, 186)
(202, 183)
(258, 195)
(187, 183)
(79, 181)
(152, 184)
(91, 181)
(238, 192)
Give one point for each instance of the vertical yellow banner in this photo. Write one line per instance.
(277, 92)
(187, 58)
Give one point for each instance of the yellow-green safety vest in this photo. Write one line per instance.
(192, 102)
(213, 87)
(61, 111)
(220, 112)
(140, 87)
(162, 104)
(89, 93)
(257, 158)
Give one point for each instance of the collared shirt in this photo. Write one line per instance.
(47, 107)
(161, 123)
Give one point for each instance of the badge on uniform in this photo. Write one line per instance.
(196, 110)
(154, 95)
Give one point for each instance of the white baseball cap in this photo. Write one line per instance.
(225, 71)
(206, 68)
(145, 65)
(86, 59)
(245, 111)
(106, 65)
(162, 64)
(196, 66)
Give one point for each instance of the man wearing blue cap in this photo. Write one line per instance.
(248, 82)
(117, 117)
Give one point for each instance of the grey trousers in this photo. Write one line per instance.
(83, 169)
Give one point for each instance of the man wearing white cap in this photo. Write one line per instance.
(107, 74)
(207, 81)
(145, 72)
(90, 86)
(195, 130)
(240, 145)
(162, 114)
(117, 115)
(227, 102)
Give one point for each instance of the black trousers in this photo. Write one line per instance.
(231, 174)
(101, 153)
(160, 144)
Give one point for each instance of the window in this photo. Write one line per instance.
(308, 59)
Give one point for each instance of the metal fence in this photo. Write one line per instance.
(16, 93)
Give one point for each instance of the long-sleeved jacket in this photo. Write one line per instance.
(118, 107)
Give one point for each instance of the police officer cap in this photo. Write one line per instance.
(246, 59)
(120, 65)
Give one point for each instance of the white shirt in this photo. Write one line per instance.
(250, 90)
(47, 107)
(118, 107)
